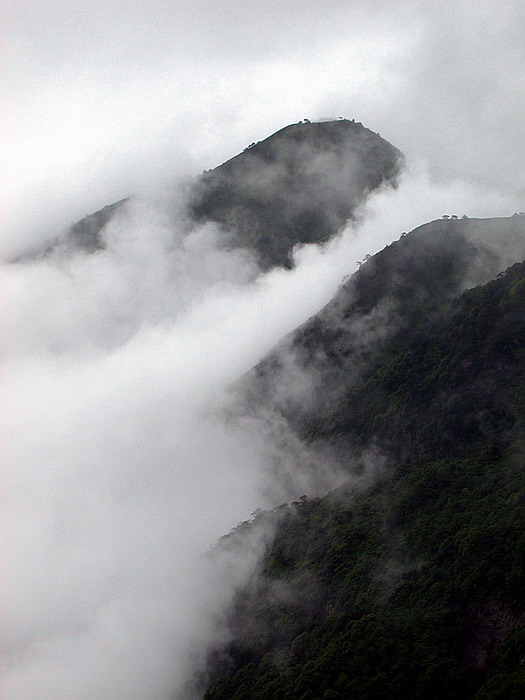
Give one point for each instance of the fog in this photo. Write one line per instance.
(106, 100)
(120, 465)
(121, 469)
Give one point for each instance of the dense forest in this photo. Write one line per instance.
(408, 583)
(398, 290)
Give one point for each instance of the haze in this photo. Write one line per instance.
(103, 100)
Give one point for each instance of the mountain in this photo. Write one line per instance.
(408, 580)
(86, 232)
(300, 185)
(398, 289)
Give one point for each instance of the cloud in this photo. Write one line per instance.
(119, 471)
(110, 100)
(120, 468)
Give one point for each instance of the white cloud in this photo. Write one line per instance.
(119, 472)
(104, 100)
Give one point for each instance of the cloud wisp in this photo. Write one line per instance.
(120, 470)
(106, 101)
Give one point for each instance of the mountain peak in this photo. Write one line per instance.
(299, 185)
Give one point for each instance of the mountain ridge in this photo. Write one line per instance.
(300, 185)
(315, 174)
(399, 286)
(411, 585)
(407, 581)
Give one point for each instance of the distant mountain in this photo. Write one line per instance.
(85, 234)
(300, 185)
(408, 582)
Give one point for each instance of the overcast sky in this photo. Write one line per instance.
(104, 99)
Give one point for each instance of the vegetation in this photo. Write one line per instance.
(412, 587)
(446, 387)
(300, 185)
(394, 295)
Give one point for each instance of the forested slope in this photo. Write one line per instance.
(409, 584)
(299, 185)
(394, 292)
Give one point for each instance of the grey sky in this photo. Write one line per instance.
(104, 99)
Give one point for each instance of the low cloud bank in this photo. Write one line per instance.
(120, 468)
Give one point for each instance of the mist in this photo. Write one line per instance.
(121, 465)
(106, 101)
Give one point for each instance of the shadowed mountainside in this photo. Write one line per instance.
(399, 288)
(408, 584)
(300, 185)
(85, 234)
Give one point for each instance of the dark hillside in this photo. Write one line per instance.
(395, 291)
(448, 387)
(86, 232)
(415, 586)
(300, 185)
